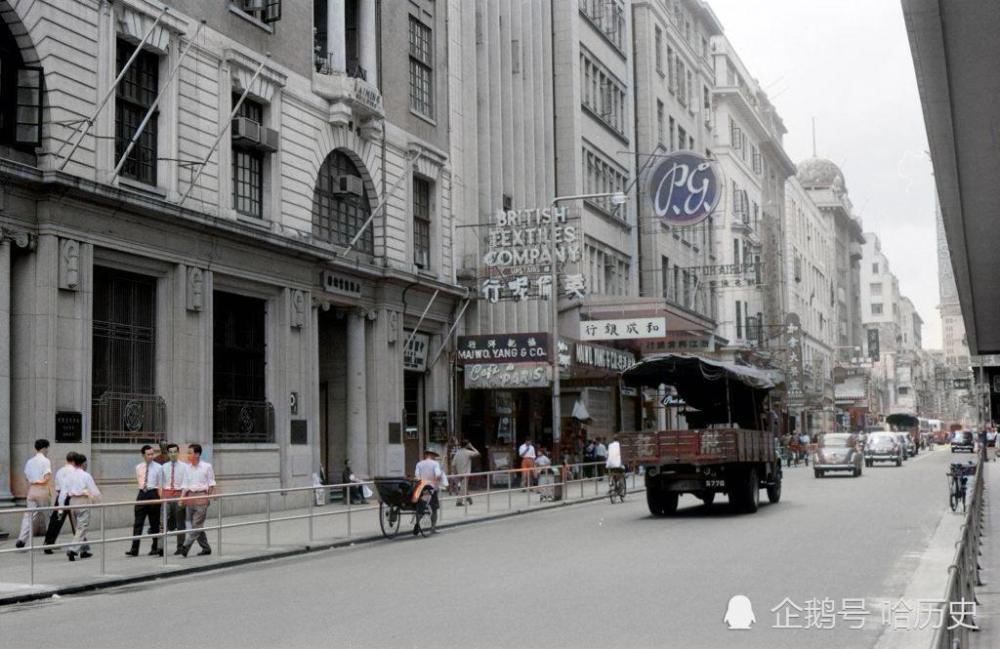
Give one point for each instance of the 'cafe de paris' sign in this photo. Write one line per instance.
(684, 188)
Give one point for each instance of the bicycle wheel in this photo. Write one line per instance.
(622, 489)
(388, 518)
(953, 501)
(422, 519)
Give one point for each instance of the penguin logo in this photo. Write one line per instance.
(739, 613)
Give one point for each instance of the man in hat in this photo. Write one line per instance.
(429, 471)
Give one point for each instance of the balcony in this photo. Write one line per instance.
(352, 98)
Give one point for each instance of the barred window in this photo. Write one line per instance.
(421, 222)
(421, 73)
(242, 413)
(135, 94)
(340, 211)
(248, 166)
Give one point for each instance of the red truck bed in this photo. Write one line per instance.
(697, 447)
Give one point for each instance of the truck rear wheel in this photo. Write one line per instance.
(774, 491)
(744, 491)
(753, 492)
(707, 497)
(661, 503)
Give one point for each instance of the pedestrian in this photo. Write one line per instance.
(527, 454)
(59, 516)
(198, 485)
(172, 474)
(461, 466)
(354, 494)
(543, 475)
(589, 454)
(453, 447)
(38, 473)
(80, 490)
(147, 475)
(428, 471)
(600, 455)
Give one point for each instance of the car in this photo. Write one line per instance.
(905, 442)
(963, 440)
(838, 452)
(883, 447)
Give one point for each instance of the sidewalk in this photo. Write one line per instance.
(246, 542)
(989, 593)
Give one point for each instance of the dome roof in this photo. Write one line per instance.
(820, 172)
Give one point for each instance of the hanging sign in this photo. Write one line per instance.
(504, 348)
(519, 241)
(507, 375)
(684, 188)
(415, 354)
(623, 329)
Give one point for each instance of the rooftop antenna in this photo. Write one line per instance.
(814, 137)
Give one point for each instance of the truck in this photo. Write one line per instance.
(732, 448)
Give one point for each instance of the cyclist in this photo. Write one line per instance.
(614, 463)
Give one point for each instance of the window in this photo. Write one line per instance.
(603, 95)
(20, 96)
(266, 11)
(421, 222)
(659, 122)
(681, 137)
(340, 204)
(248, 164)
(665, 278)
(875, 269)
(670, 70)
(658, 44)
(608, 17)
(135, 94)
(603, 176)
(682, 83)
(739, 320)
(876, 308)
(876, 288)
(242, 413)
(421, 73)
(736, 251)
(673, 129)
(123, 369)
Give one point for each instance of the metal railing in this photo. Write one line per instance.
(243, 422)
(963, 576)
(122, 418)
(492, 485)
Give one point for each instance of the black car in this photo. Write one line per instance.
(963, 440)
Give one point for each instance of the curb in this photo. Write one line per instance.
(114, 582)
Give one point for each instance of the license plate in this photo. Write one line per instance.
(715, 483)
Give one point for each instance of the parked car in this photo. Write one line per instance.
(963, 440)
(883, 447)
(838, 452)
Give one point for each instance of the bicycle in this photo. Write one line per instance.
(616, 485)
(958, 478)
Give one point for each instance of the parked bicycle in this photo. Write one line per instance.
(958, 479)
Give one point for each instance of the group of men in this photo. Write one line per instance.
(186, 485)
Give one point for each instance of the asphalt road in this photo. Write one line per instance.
(596, 575)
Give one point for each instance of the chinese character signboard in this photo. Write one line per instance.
(503, 348)
(624, 329)
(524, 287)
(793, 345)
(493, 376)
(873, 350)
(684, 188)
(605, 358)
(415, 354)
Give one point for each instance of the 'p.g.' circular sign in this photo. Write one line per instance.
(684, 188)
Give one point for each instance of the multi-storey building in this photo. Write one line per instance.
(954, 345)
(235, 247)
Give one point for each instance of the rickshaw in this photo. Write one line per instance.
(396, 498)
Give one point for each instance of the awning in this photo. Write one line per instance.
(852, 389)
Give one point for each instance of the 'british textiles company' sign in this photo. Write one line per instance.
(623, 329)
(503, 348)
(494, 376)
(684, 188)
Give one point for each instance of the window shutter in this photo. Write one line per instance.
(28, 127)
(272, 11)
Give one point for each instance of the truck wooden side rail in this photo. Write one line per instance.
(734, 461)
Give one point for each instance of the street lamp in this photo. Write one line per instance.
(617, 198)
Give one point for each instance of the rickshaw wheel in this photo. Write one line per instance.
(389, 519)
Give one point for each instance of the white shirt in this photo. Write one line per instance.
(62, 475)
(428, 471)
(198, 477)
(174, 473)
(81, 483)
(37, 468)
(614, 456)
(150, 481)
(526, 450)
(601, 450)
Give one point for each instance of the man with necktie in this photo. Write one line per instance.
(199, 484)
(147, 474)
(172, 475)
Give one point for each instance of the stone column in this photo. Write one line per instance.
(336, 25)
(357, 405)
(5, 419)
(366, 40)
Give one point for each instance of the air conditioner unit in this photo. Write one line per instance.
(269, 139)
(254, 5)
(246, 131)
(348, 185)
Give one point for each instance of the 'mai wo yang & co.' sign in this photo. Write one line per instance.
(684, 188)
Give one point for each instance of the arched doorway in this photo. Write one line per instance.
(341, 204)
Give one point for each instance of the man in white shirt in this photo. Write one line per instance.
(614, 459)
(80, 490)
(601, 453)
(59, 516)
(172, 474)
(38, 473)
(429, 471)
(147, 477)
(461, 464)
(527, 453)
(198, 485)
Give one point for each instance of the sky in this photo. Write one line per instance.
(847, 64)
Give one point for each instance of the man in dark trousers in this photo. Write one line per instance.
(59, 516)
(172, 476)
(148, 477)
